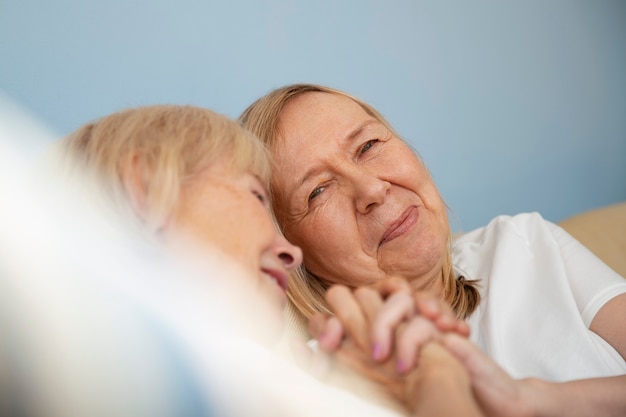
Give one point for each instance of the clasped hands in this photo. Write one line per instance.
(386, 330)
(380, 332)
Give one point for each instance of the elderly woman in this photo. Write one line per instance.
(354, 196)
(188, 174)
(362, 206)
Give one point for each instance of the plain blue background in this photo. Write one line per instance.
(515, 106)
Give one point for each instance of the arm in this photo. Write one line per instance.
(586, 397)
(500, 395)
(596, 289)
(610, 322)
(440, 386)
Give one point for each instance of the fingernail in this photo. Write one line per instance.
(377, 352)
(400, 367)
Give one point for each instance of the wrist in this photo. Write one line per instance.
(540, 398)
(436, 383)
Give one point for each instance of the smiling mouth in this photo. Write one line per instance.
(401, 225)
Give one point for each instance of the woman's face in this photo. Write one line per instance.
(354, 197)
(229, 211)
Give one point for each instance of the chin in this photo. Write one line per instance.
(416, 264)
(263, 318)
(268, 329)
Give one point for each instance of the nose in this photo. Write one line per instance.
(370, 190)
(290, 255)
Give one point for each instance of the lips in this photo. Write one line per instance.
(401, 225)
(279, 276)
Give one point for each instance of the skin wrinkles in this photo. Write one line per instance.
(369, 179)
(327, 176)
(310, 174)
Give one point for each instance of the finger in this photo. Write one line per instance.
(327, 330)
(394, 311)
(409, 341)
(482, 369)
(370, 301)
(349, 313)
(333, 335)
(496, 391)
(391, 285)
(439, 311)
(317, 324)
(448, 324)
(462, 328)
(431, 306)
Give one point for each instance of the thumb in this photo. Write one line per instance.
(482, 369)
(327, 330)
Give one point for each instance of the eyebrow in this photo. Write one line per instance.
(355, 133)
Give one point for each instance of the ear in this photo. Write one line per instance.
(135, 184)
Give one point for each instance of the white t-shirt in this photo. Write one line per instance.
(540, 291)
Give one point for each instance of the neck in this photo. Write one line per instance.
(433, 284)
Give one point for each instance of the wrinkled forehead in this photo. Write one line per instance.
(318, 116)
(316, 104)
(314, 127)
(314, 113)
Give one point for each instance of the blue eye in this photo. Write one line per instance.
(367, 146)
(315, 193)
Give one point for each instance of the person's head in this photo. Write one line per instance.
(349, 191)
(184, 170)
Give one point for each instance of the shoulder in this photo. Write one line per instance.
(523, 225)
(505, 237)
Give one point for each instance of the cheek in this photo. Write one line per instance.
(322, 235)
(408, 163)
(416, 173)
(433, 201)
(237, 233)
(246, 249)
(255, 229)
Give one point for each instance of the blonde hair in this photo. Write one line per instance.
(167, 145)
(306, 290)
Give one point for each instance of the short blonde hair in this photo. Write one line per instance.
(169, 145)
(306, 291)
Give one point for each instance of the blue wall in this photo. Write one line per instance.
(515, 106)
